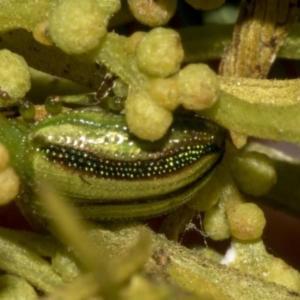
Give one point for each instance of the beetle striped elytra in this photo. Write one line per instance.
(92, 159)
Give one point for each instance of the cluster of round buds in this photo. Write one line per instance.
(254, 174)
(243, 221)
(159, 55)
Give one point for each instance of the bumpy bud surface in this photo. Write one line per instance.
(145, 118)
(246, 221)
(77, 26)
(160, 52)
(198, 87)
(14, 74)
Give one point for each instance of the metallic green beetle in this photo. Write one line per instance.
(91, 158)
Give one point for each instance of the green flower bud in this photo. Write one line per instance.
(145, 118)
(215, 224)
(77, 26)
(160, 52)
(164, 92)
(246, 221)
(198, 87)
(253, 173)
(14, 74)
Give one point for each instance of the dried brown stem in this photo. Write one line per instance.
(259, 32)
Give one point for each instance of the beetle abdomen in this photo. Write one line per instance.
(91, 158)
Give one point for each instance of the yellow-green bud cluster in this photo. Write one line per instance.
(9, 187)
(14, 74)
(195, 87)
(159, 55)
(231, 216)
(244, 221)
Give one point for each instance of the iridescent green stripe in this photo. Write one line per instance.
(88, 164)
(91, 158)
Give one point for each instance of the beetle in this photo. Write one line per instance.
(91, 158)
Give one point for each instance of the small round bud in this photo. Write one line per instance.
(164, 92)
(198, 87)
(77, 26)
(215, 224)
(14, 74)
(246, 221)
(153, 13)
(4, 158)
(160, 52)
(204, 4)
(253, 173)
(9, 187)
(145, 118)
